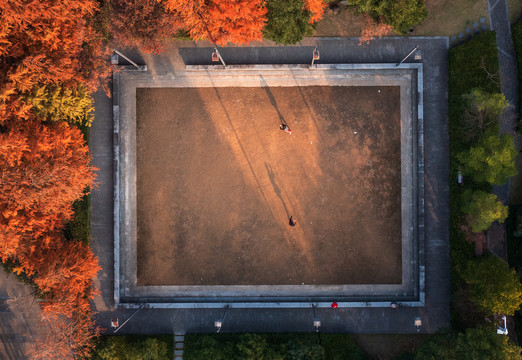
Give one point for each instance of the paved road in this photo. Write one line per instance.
(359, 320)
(499, 22)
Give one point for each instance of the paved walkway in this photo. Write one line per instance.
(355, 320)
(19, 325)
(499, 22)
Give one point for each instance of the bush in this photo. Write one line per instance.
(134, 347)
(494, 287)
(402, 15)
(482, 209)
(287, 21)
(271, 346)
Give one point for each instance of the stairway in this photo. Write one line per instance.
(179, 340)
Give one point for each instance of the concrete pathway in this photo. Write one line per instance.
(19, 322)
(499, 22)
(354, 320)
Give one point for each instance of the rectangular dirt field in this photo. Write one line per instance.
(217, 181)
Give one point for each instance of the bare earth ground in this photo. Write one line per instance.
(445, 17)
(217, 182)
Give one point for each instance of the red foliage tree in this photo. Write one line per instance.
(44, 42)
(221, 21)
(316, 8)
(144, 24)
(373, 29)
(43, 169)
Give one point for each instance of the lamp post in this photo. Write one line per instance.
(216, 56)
(317, 322)
(115, 320)
(114, 61)
(407, 56)
(418, 323)
(315, 56)
(219, 322)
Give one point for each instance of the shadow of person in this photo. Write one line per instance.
(276, 188)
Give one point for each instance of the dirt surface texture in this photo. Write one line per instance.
(217, 181)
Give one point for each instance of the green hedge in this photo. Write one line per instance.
(134, 347)
(292, 346)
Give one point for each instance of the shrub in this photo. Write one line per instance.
(494, 287)
(400, 14)
(133, 348)
(482, 209)
(287, 21)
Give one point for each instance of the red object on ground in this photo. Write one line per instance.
(334, 305)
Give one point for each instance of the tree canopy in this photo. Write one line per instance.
(494, 288)
(491, 160)
(482, 209)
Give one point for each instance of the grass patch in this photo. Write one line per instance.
(471, 65)
(134, 347)
(268, 346)
(450, 17)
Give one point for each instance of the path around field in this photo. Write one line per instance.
(509, 193)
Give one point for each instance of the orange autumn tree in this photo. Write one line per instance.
(221, 21)
(145, 24)
(43, 42)
(373, 29)
(316, 8)
(43, 169)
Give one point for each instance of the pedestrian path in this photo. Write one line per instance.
(179, 342)
(499, 22)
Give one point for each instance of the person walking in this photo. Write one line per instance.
(285, 128)
(292, 222)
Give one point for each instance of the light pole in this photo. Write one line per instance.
(407, 56)
(115, 321)
(317, 322)
(417, 323)
(219, 322)
(114, 60)
(216, 56)
(315, 56)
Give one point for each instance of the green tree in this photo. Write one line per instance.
(482, 209)
(400, 14)
(494, 287)
(492, 160)
(483, 111)
(59, 103)
(484, 343)
(480, 343)
(287, 21)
